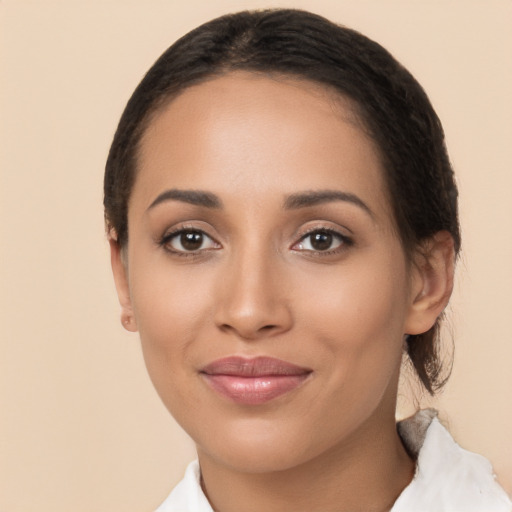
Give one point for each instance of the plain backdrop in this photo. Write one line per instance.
(80, 426)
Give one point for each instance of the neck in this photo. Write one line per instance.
(364, 473)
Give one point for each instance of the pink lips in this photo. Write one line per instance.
(253, 381)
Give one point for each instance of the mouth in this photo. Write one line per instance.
(253, 381)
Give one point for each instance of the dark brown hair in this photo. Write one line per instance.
(391, 104)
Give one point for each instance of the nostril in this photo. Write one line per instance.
(250, 332)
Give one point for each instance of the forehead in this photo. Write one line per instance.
(248, 133)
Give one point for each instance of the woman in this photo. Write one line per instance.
(283, 224)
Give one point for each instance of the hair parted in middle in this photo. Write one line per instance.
(391, 105)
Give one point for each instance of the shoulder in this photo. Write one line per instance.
(448, 478)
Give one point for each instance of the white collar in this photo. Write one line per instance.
(447, 479)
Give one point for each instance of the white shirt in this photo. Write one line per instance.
(447, 479)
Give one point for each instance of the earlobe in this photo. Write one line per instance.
(432, 283)
(119, 270)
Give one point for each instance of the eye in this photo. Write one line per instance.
(188, 241)
(322, 240)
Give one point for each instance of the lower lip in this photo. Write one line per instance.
(254, 390)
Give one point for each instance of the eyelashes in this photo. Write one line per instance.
(188, 242)
(323, 241)
(193, 242)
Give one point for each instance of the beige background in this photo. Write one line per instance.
(81, 427)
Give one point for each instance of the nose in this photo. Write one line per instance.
(252, 302)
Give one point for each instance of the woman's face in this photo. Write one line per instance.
(264, 272)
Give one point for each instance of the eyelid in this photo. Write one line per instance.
(346, 241)
(171, 234)
(308, 230)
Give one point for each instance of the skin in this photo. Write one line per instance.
(257, 287)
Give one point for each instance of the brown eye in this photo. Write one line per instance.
(321, 241)
(189, 241)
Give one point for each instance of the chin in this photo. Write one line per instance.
(258, 447)
(254, 458)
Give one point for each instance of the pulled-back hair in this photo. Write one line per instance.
(392, 106)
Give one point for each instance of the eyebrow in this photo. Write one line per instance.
(292, 202)
(195, 197)
(316, 197)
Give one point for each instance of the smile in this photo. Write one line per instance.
(253, 381)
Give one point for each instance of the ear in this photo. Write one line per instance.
(119, 269)
(432, 282)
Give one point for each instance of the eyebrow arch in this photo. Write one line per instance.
(195, 197)
(315, 197)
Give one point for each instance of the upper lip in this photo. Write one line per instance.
(253, 367)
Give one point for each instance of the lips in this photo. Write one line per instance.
(253, 381)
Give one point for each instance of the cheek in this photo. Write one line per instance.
(357, 319)
(359, 312)
(171, 309)
(168, 301)
(359, 298)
